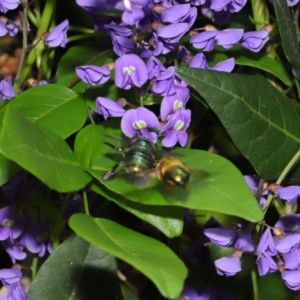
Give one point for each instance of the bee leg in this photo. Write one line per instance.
(114, 147)
(111, 173)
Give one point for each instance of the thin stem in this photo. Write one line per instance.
(288, 167)
(85, 202)
(23, 18)
(90, 115)
(34, 268)
(254, 283)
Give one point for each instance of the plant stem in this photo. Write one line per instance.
(34, 268)
(254, 283)
(85, 202)
(23, 17)
(285, 171)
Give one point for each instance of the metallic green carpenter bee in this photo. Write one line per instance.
(139, 156)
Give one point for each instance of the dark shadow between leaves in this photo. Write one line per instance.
(94, 283)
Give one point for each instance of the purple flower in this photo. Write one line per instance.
(138, 121)
(199, 61)
(11, 226)
(228, 37)
(175, 128)
(236, 5)
(255, 40)
(265, 264)
(172, 33)
(10, 276)
(180, 13)
(288, 243)
(292, 260)
(37, 239)
(244, 242)
(130, 70)
(58, 35)
(221, 237)
(189, 293)
(93, 75)
(16, 292)
(170, 104)
(42, 82)
(154, 67)
(290, 224)
(132, 10)
(109, 108)
(6, 89)
(228, 266)
(3, 29)
(14, 251)
(253, 181)
(119, 36)
(289, 194)
(12, 28)
(266, 243)
(204, 40)
(6, 5)
(164, 85)
(291, 279)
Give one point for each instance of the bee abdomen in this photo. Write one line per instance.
(138, 159)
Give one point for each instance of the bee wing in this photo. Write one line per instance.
(142, 179)
(197, 177)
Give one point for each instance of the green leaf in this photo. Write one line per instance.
(215, 180)
(128, 293)
(168, 219)
(287, 30)
(263, 123)
(80, 56)
(250, 59)
(266, 64)
(7, 169)
(42, 152)
(53, 107)
(146, 254)
(76, 270)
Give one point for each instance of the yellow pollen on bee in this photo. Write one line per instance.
(128, 70)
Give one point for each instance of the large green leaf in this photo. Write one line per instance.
(54, 107)
(265, 63)
(214, 181)
(42, 152)
(263, 124)
(287, 30)
(151, 257)
(76, 270)
(165, 218)
(168, 219)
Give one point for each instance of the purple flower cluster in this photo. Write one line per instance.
(15, 239)
(145, 32)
